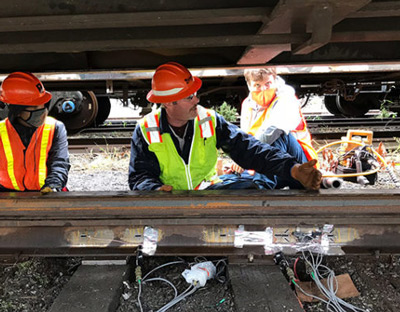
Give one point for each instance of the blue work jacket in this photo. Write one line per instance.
(244, 149)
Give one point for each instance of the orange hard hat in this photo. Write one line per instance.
(172, 82)
(23, 89)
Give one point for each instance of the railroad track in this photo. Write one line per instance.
(322, 129)
(313, 122)
(199, 222)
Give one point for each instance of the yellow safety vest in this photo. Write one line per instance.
(201, 168)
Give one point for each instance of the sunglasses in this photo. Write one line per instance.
(190, 97)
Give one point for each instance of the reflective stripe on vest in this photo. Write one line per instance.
(202, 157)
(152, 125)
(49, 124)
(205, 122)
(9, 156)
(260, 120)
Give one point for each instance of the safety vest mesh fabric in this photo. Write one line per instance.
(303, 136)
(256, 125)
(25, 168)
(203, 152)
(301, 132)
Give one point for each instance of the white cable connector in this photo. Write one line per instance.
(200, 273)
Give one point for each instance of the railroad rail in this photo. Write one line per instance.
(199, 222)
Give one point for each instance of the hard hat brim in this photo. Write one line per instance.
(39, 101)
(194, 87)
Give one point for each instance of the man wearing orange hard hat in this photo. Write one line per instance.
(33, 147)
(176, 146)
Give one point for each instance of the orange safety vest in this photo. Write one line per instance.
(301, 133)
(303, 136)
(24, 168)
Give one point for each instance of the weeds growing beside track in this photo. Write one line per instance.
(107, 159)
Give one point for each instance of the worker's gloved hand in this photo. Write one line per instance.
(307, 175)
(49, 189)
(165, 188)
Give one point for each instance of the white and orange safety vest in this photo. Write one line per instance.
(24, 168)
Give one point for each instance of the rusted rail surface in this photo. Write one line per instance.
(205, 222)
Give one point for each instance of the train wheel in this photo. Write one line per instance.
(359, 107)
(103, 111)
(76, 110)
(331, 106)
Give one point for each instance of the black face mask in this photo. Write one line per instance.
(35, 117)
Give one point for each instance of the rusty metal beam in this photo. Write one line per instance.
(190, 206)
(312, 16)
(378, 9)
(321, 25)
(194, 222)
(262, 54)
(133, 19)
(203, 42)
(366, 36)
(111, 44)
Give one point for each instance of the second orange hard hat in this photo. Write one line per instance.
(172, 82)
(21, 88)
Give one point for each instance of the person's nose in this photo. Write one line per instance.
(264, 87)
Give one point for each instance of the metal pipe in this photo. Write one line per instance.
(332, 183)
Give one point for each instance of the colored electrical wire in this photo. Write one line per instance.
(177, 298)
(333, 303)
(165, 281)
(163, 265)
(138, 297)
(343, 175)
(190, 290)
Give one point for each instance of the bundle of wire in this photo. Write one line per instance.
(177, 298)
(333, 303)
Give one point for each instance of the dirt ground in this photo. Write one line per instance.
(33, 285)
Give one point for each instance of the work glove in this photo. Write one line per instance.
(307, 175)
(165, 188)
(49, 189)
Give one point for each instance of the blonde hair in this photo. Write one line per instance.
(258, 74)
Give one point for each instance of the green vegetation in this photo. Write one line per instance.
(227, 111)
(313, 118)
(384, 112)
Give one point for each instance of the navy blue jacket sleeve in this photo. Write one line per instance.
(58, 159)
(249, 153)
(144, 169)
